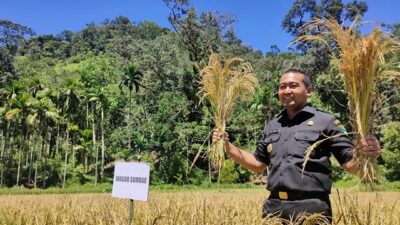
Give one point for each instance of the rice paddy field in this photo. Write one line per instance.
(227, 206)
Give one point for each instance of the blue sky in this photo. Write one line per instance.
(258, 21)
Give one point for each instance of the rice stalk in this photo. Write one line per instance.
(221, 84)
(361, 62)
(312, 219)
(183, 207)
(310, 149)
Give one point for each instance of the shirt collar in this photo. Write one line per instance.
(307, 108)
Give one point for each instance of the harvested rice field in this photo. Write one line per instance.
(227, 206)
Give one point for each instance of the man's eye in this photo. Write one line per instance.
(282, 87)
(293, 86)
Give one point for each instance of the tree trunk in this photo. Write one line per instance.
(2, 143)
(87, 126)
(87, 114)
(35, 177)
(4, 153)
(73, 158)
(47, 145)
(19, 165)
(128, 124)
(36, 161)
(103, 147)
(3, 146)
(86, 163)
(2, 176)
(57, 139)
(31, 160)
(20, 159)
(94, 146)
(209, 165)
(65, 162)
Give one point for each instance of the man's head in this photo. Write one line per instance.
(294, 89)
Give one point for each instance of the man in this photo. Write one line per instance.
(283, 145)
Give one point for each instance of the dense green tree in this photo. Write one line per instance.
(303, 11)
(391, 149)
(201, 34)
(7, 71)
(46, 46)
(12, 34)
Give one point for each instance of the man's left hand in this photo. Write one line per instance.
(369, 146)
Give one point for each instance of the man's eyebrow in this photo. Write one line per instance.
(291, 82)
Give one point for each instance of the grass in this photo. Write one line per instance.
(350, 183)
(71, 189)
(354, 184)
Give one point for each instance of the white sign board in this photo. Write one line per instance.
(131, 180)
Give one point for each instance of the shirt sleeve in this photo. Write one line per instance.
(261, 153)
(340, 145)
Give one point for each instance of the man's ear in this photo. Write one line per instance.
(309, 91)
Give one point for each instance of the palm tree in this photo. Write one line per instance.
(10, 109)
(99, 99)
(17, 113)
(131, 78)
(42, 115)
(71, 105)
(9, 93)
(96, 72)
(36, 86)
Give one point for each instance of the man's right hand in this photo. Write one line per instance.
(244, 158)
(218, 135)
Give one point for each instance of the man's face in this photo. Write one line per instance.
(292, 92)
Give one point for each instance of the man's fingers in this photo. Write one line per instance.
(217, 135)
(367, 141)
(374, 154)
(368, 146)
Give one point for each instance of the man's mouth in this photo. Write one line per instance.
(287, 100)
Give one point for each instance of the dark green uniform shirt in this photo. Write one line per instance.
(283, 145)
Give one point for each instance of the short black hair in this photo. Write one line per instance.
(306, 78)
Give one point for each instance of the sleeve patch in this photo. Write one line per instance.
(340, 125)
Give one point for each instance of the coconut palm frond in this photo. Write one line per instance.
(54, 116)
(31, 119)
(11, 114)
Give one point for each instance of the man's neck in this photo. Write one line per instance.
(291, 113)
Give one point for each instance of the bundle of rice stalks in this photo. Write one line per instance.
(361, 62)
(221, 84)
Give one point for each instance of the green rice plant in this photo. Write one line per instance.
(361, 62)
(221, 84)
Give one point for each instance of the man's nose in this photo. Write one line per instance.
(287, 90)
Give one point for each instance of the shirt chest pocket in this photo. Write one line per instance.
(303, 140)
(271, 143)
(272, 137)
